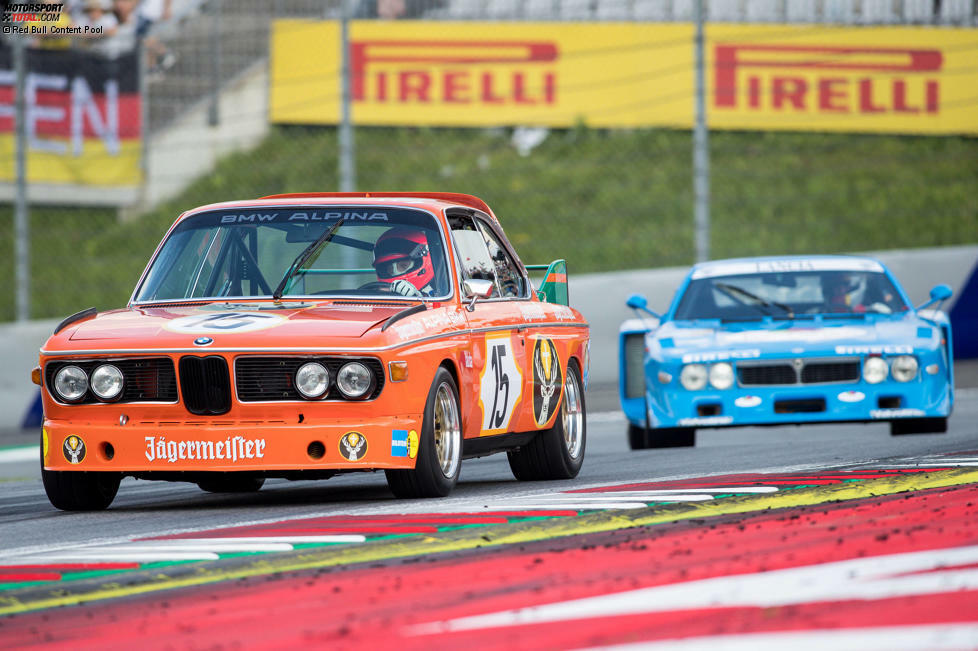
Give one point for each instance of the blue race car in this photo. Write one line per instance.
(788, 340)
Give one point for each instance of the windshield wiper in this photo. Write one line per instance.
(303, 257)
(734, 289)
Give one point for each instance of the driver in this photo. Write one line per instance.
(836, 293)
(402, 258)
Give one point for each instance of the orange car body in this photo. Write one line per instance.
(158, 433)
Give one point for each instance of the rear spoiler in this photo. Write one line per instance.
(451, 197)
(553, 289)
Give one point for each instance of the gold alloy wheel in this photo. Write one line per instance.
(572, 413)
(447, 430)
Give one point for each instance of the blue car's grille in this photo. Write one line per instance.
(827, 372)
(807, 372)
(767, 374)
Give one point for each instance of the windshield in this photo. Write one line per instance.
(789, 295)
(375, 250)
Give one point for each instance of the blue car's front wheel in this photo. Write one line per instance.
(644, 438)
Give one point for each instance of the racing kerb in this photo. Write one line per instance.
(600, 297)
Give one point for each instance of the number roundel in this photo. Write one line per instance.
(501, 384)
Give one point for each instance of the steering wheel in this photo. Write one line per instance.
(376, 285)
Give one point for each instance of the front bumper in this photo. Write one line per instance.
(796, 404)
(231, 445)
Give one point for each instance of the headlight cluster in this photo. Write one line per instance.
(903, 368)
(354, 380)
(694, 377)
(71, 383)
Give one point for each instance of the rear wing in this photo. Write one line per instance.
(553, 289)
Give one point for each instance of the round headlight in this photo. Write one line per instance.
(693, 377)
(721, 376)
(312, 379)
(107, 382)
(875, 370)
(903, 368)
(71, 383)
(354, 380)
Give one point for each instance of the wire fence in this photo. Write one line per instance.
(603, 197)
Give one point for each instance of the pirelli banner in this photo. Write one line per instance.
(83, 119)
(799, 78)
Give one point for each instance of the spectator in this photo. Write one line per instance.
(49, 40)
(96, 14)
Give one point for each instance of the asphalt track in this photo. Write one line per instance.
(815, 537)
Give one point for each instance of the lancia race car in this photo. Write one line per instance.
(777, 341)
(305, 335)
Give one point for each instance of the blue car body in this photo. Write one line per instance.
(784, 367)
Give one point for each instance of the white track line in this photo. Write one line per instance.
(291, 540)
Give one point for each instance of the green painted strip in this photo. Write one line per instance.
(467, 540)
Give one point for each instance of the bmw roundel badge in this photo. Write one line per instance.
(203, 341)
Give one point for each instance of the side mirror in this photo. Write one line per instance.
(639, 303)
(476, 289)
(938, 294)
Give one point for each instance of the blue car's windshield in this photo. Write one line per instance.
(789, 295)
(248, 252)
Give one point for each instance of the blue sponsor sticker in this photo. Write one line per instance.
(399, 443)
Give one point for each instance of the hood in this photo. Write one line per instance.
(691, 340)
(236, 324)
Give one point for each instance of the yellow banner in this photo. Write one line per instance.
(802, 78)
(95, 166)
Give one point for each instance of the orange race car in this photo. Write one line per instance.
(303, 335)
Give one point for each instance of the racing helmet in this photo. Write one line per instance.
(402, 254)
(836, 287)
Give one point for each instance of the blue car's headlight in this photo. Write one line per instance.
(693, 377)
(903, 368)
(875, 370)
(721, 376)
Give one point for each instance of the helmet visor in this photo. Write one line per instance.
(395, 267)
(395, 259)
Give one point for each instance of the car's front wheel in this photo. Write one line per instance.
(440, 448)
(918, 426)
(79, 490)
(558, 452)
(644, 438)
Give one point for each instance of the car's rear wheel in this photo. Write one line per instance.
(558, 452)
(79, 490)
(918, 426)
(232, 482)
(440, 448)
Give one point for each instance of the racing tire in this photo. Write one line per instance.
(231, 483)
(638, 437)
(672, 437)
(80, 490)
(918, 426)
(557, 452)
(440, 447)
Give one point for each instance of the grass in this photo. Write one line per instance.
(605, 200)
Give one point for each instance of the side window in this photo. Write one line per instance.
(508, 279)
(470, 245)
